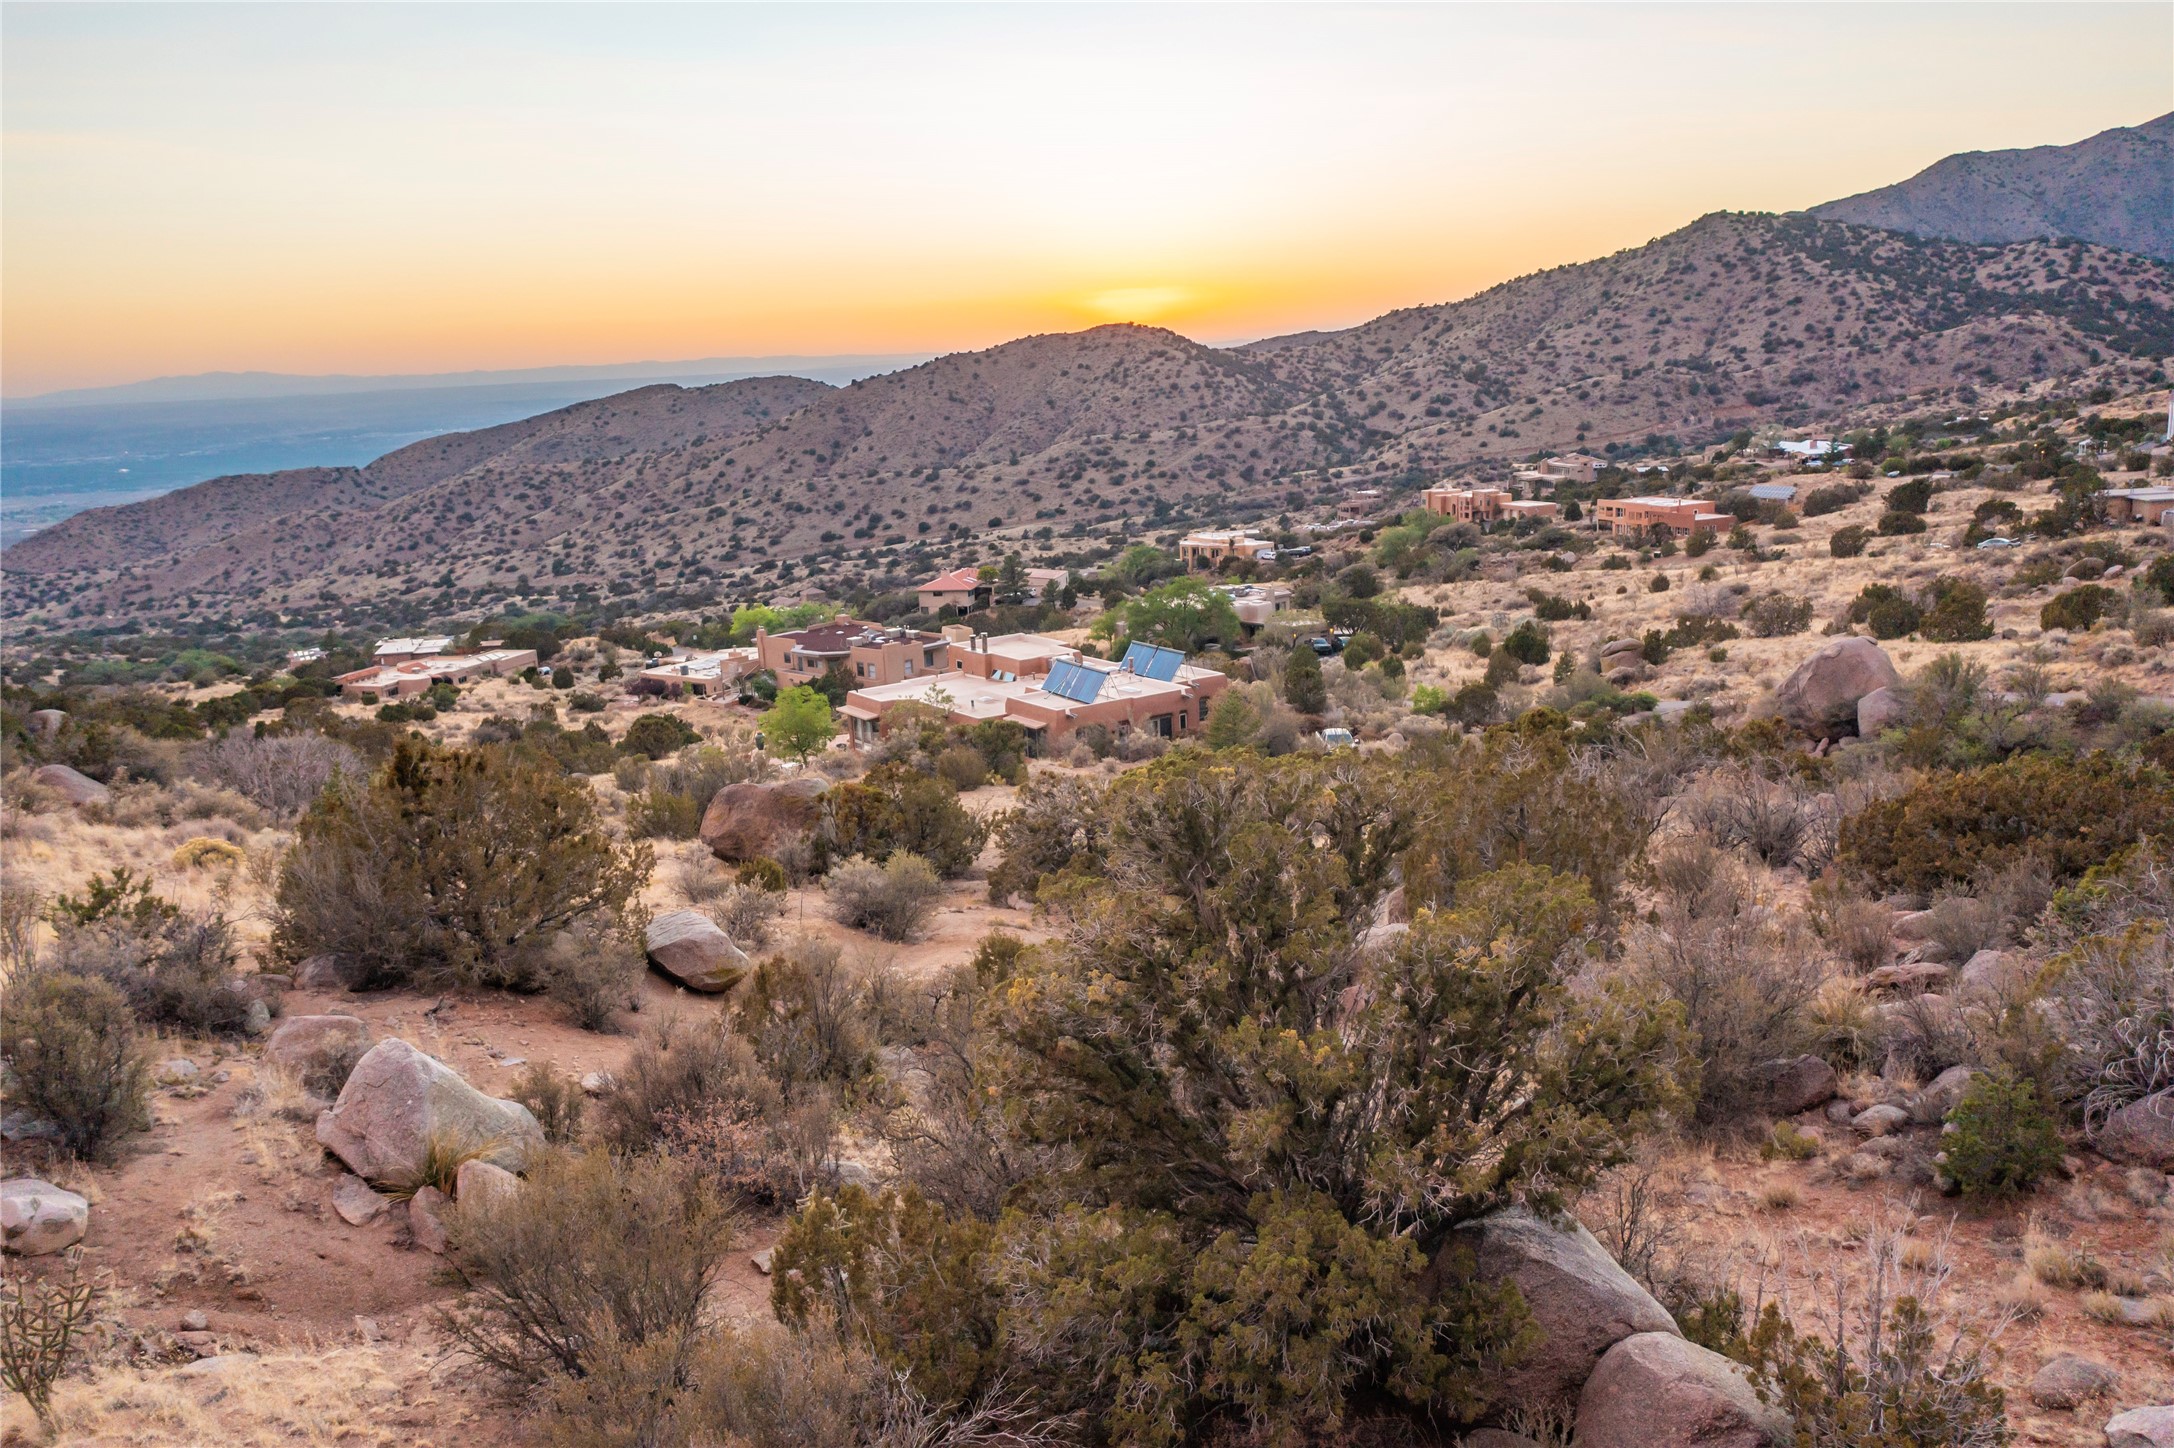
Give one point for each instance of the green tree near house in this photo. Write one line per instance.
(799, 723)
(1182, 614)
(1303, 688)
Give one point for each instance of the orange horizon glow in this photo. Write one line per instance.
(336, 189)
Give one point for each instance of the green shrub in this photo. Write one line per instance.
(1951, 829)
(1657, 584)
(659, 814)
(896, 808)
(1848, 542)
(762, 873)
(653, 736)
(1527, 643)
(2003, 1140)
(554, 1098)
(70, 1045)
(1893, 524)
(962, 767)
(1775, 615)
(1911, 497)
(1831, 498)
(2078, 609)
(1886, 610)
(892, 900)
(1954, 612)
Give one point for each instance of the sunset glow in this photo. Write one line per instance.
(408, 188)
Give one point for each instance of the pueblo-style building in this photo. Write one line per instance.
(1484, 505)
(1681, 516)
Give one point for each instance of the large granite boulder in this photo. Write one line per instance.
(1580, 1299)
(1881, 710)
(2142, 1132)
(1793, 1084)
(45, 723)
(318, 1051)
(1820, 696)
(2069, 1381)
(399, 1104)
(37, 1217)
(2141, 1428)
(72, 785)
(479, 1184)
(691, 948)
(746, 821)
(1654, 1390)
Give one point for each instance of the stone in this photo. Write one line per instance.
(2141, 1428)
(1935, 1100)
(1793, 1084)
(37, 1217)
(480, 1184)
(1881, 710)
(2141, 1133)
(760, 1261)
(1985, 973)
(1654, 1389)
(596, 1083)
(195, 1321)
(1880, 1120)
(1841, 1111)
(257, 1019)
(216, 1366)
(1820, 696)
(1914, 925)
(72, 785)
(749, 821)
(355, 1201)
(22, 1125)
(426, 1219)
(319, 1049)
(689, 947)
(323, 972)
(398, 1103)
(1582, 1302)
(1914, 976)
(368, 1330)
(44, 723)
(2069, 1381)
(175, 1070)
(1377, 938)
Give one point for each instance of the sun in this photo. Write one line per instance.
(1138, 304)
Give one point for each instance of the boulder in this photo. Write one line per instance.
(315, 1048)
(745, 821)
(1985, 973)
(1820, 696)
(176, 1071)
(257, 1019)
(1934, 1101)
(2141, 1428)
(426, 1219)
(323, 972)
(1654, 1390)
(479, 1184)
(44, 723)
(1580, 1299)
(399, 1104)
(1376, 939)
(2142, 1133)
(760, 1261)
(37, 1217)
(69, 784)
(1879, 711)
(1793, 1084)
(356, 1203)
(2069, 1381)
(1914, 925)
(1880, 1120)
(689, 947)
(1914, 976)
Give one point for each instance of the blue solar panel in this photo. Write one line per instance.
(1150, 662)
(1076, 682)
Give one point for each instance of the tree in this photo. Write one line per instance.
(1954, 612)
(1184, 614)
(800, 722)
(1011, 580)
(655, 735)
(1303, 688)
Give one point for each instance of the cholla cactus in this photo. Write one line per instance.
(41, 1319)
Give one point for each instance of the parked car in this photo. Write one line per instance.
(1999, 543)
(1326, 644)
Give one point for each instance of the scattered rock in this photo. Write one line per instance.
(1984, 973)
(175, 1070)
(1793, 1084)
(1654, 1388)
(258, 1019)
(688, 946)
(478, 1183)
(596, 1083)
(744, 821)
(355, 1201)
(367, 1329)
(323, 972)
(37, 1217)
(198, 1343)
(398, 1102)
(426, 1219)
(1914, 925)
(1881, 710)
(1861, 1166)
(195, 1321)
(1820, 696)
(44, 723)
(2069, 1381)
(2141, 1428)
(1880, 1120)
(1934, 1101)
(312, 1047)
(1914, 976)
(1841, 1111)
(1580, 1299)
(2142, 1133)
(760, 1261)
(208, 1367)
(75, 787)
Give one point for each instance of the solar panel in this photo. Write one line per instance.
(1150, 662)
(1076, 682)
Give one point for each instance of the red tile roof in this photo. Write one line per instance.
(958, 580)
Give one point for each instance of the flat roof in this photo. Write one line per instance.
(436, 645)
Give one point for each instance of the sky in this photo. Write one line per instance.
(423, 188)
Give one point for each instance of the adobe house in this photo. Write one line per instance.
(2152, 507)
(870, 652)
(1150, 689)
(1484, 505)
(381, 683)
(696, 673)
(961, 588)
(1681, 516)
(1205, 551)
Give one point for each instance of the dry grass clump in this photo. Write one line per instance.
(311, 1395)
(1780, 1196)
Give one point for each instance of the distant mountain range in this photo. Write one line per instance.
(2116, 189)
(755, 486)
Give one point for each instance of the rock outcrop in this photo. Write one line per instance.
(1820, 696)
(318, 1050)
(2142, 1132)
(2069, 1381)
(1883, 709)
(75, 787)
(690, 947)
(1793, 1084)
(1656, 1389)
(2141, 1428)
(37, 1217)
(745, 821)
(399, 1106)
(1580, 1299)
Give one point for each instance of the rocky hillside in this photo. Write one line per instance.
(730, 490)
(2116, 189)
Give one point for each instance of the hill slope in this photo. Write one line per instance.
(731, 490)
(2115, 188)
